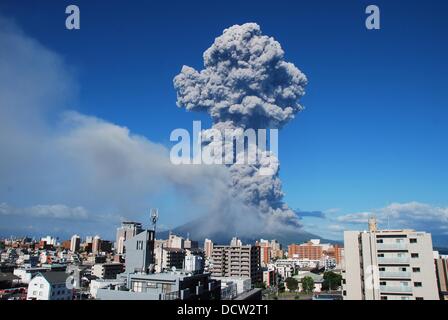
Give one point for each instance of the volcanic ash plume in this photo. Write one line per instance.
(246, 84)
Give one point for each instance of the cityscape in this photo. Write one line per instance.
(223, 158)
(370, 265)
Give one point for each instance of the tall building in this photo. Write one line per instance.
(236, 261)
(208, 248)
(176, 242)
(190, 244)
(75, 242)
(441, 263)
(96, 244)
(127, 230)
(388, 265)
(236, 242)
(140, 252)
(265, 251)
(167, 258)
(276, 249)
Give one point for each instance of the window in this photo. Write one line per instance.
(382, 283)
(413, 240)
(414, 255)
(419, 298)
(417, 284)
(382, 269)
(403, 269)
(139, 245)
(41, 285)
(383, 297)
(415, 269)
(379, 241)
(380, 255)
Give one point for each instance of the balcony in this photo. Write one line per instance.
(393, 260)
(396, 274)
(398, 289)
(391, 246)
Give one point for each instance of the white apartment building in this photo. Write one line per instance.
(388, 265)
(193, 263)
(49, 286)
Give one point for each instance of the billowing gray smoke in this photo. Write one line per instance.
(247, 84)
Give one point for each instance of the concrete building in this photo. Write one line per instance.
(208, 248)
(388, 265)
(49, 240)
(49, 286)
(193, 263)
(167, 258)
(103, 284)
(190, 244)
(231, 287)
(139, 252)
(236, 242)
(107, 270)
(163, 286)
(75, 243)
(176, 242)
(441, 263)
(236, 261)
(96, 245)
(265, 251)
(127, 230)
(311, 250)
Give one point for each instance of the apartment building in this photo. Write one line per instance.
(107, 270)
(236, 261)
(441, 263)
(311, 250)
(167, 258)
(388, 265)
(127, 230)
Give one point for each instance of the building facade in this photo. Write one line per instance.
(49, 286)
(236, 261)
(388, 265)
(127, 230)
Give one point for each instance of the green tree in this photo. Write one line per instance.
(332, 281)
(307, 284)
(292, 284)
(261, 285)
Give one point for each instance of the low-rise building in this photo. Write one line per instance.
(107, 270)
(50, 285)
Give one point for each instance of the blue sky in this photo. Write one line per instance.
(374, 129)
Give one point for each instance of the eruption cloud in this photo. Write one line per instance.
(246, 84)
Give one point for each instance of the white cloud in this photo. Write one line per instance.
(412, 215)
(56, 211)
